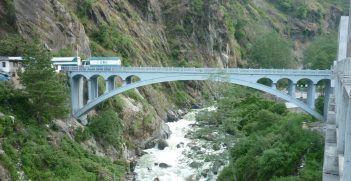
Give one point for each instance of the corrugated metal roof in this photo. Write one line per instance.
(64, 59)
(104, 58)
(4, 58)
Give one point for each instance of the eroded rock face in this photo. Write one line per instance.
(52, 24)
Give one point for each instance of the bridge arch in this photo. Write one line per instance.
(265, 81)
(79, 76)
(232, 80)
(283, 83)
(132, 78)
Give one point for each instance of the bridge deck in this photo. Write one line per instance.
(194, 70)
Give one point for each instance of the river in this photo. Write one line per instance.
(184, 158)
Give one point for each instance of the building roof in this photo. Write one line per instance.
(4, 58)
(64, 59)
(104, 58)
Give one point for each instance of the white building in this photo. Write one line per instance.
(59, 62)
(10, 65)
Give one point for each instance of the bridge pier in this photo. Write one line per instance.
(110, 84)
(76, 93)
(128, 80)
(292, 89)
(274, 85)
(328, 90)
(93, 89)
(311, 95)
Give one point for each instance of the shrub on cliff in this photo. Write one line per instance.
(271, 51)
(322, 52)
(107, 128)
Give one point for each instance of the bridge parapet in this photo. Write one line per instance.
(194, 70)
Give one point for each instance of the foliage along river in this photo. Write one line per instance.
(185, 158)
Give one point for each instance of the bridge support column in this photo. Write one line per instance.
(347, 152)
(292, 89)
(311, 95)
(90, 92)
(124, 83)
(327, 92)
(76, 93)
(274, 85)
(128, 80)
(110, 84)
(94, 88)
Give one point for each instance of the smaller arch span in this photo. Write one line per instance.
(257, 86)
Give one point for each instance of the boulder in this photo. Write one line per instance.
(189, 135)
(216, 147)
(162, 144)
(165, 131)
(132, 165)
(204, 173)
(171, 116)
(195, 106)
(150, 144)
(179, 145)
(192, 178)
(139, 152)
(195, 148)
(164, 165)
(195, 165)
(215, 166)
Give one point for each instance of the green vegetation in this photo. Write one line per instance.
(197, 5)
(271, 51)
(29, 135)
(298, 8)
(111, 39)
(272, 144)
(45, 89)
(8, 22)
(321, 53)
(13, 45)
(85, 7)
(107, 128)
(46, 154)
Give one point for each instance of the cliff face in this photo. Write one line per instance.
(52, 24)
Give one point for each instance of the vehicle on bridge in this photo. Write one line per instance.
(103, 61)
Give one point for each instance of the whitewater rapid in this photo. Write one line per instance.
(175, 155)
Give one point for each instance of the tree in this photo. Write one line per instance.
(322, 52)
(12, 45)
(271, 51)
(44, 87)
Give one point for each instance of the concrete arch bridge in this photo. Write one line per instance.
(153, 75)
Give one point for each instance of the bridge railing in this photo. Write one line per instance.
(190, 70)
